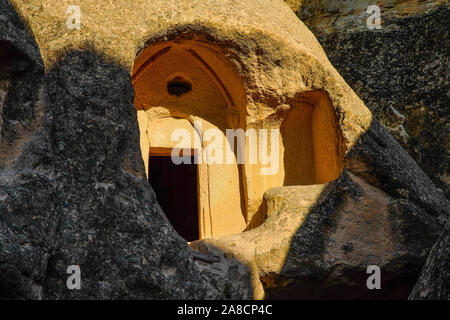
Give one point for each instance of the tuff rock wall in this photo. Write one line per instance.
(400, 71)
(73, 191)
(72, 184)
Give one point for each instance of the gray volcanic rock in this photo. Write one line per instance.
(108, 220)
(381, 161)
(401, 74)
(383, 210)
(434, 281)
(22, 258)
(73, 189)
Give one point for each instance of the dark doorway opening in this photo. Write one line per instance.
(176, 191)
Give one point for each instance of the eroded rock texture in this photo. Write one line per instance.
(399, 71)
(383, 210)
(73, 190)
(434, 280)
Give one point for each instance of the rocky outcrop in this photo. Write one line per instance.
(383, 210)
(434, 280)
(331, 16)
(400, 71)
(73, 189)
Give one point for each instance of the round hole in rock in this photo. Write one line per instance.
(178, 86)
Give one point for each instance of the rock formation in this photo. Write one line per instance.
(435, 277)
(73, 183)
(72, 187)
(400, 71)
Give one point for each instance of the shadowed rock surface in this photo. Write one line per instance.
(433, 283)
(383, 210)
(73, 189)
(400, 71)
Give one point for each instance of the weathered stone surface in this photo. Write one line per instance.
(330, 16)
(383, 211)
(228, 275)
(76, 194)
(73, 188)
(109, 221)
(434, 280)
(399, 71)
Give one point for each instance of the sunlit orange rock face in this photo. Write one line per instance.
(402, 94)
(179, 83)
(338, 193)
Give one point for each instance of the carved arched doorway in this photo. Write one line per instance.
(179, 84)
